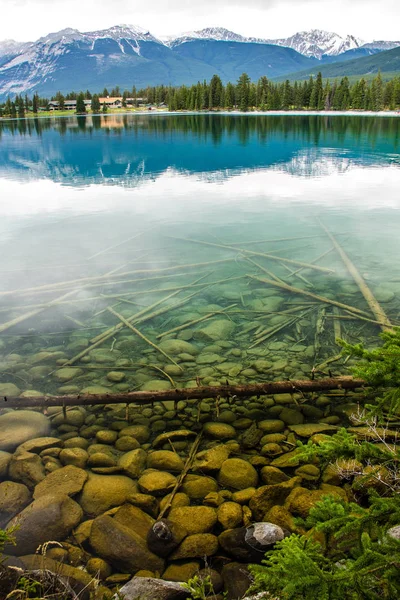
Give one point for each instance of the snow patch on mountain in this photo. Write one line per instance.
(381, 45)
(316, 42)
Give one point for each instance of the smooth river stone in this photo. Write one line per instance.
(20, 426)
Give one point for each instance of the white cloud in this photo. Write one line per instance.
(28, 19)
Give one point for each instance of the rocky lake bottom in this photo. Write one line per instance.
(148, 255)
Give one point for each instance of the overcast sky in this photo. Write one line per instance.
(26, 20)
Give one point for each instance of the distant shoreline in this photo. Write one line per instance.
(271, 113)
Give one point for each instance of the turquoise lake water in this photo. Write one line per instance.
(124, 211)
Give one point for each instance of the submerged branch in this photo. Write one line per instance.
(198, 393)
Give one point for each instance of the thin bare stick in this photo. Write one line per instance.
(337, 329)
(269, 256)
(185, 471)
(295, 290)
(269, 273)
(143, 337)
(327, 362)
(33, 313)
(84, 280)
(287, 239)
(298, 275)
(143, 312)
(190, 323)
(372, 302)
(134, 237)
(312, 262)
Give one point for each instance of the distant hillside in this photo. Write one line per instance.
(386, 62)
(230, 59)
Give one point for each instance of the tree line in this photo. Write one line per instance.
(244, 95)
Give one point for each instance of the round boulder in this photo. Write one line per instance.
(47, 518)
(102, 492)
(13, 498)
(18, 426)
(238, 474)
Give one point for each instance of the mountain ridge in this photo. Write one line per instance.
(127, 55)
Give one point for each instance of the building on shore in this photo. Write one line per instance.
(110, 102)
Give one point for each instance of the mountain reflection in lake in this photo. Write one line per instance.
(168, 219)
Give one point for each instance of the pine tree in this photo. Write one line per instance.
(215, 96)
(21, 107)
(80, 104)
(243, 92)
(35, 103)
(316, 98)
(95, 104)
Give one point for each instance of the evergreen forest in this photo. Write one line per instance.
(244, 95)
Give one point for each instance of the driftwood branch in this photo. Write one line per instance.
(227, 391)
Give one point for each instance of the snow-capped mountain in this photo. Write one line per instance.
(314, 43)
(318, 43)
(127, 55)
(381, 45)
(25, 67)
(217, 34)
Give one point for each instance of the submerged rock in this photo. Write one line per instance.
(178, 347)
(9, 389)
(149, 588)
(18, 426)
(27, 468)
(102, 492)
(13, 498)
(249, 544)
(67, 481)
(122, 547)
(156, 483)
(47, 518)
(198, 545)
(238, 474)
(165, 460)
(219, 329)
(194, 519)
(164, 536)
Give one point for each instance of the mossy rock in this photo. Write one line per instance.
(156, 385)
(133, 463)
(219, 431)
(199, 545)
(165, 460)
(102, 492)
(178, 346)
(156, 483)
(212, 459)
(268, 496)
(237, 474)
(198, 487)
(67, 373)
(47, 518)
(122, 547)
(230, 515)
(195, 519)
(67, 481)
(181, 571)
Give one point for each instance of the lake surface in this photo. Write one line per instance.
(178, 219)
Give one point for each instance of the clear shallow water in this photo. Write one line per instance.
(97, 209)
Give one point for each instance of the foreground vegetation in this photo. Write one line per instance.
(349, 550)
(314, 94)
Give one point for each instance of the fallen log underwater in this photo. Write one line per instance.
(198, 393)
